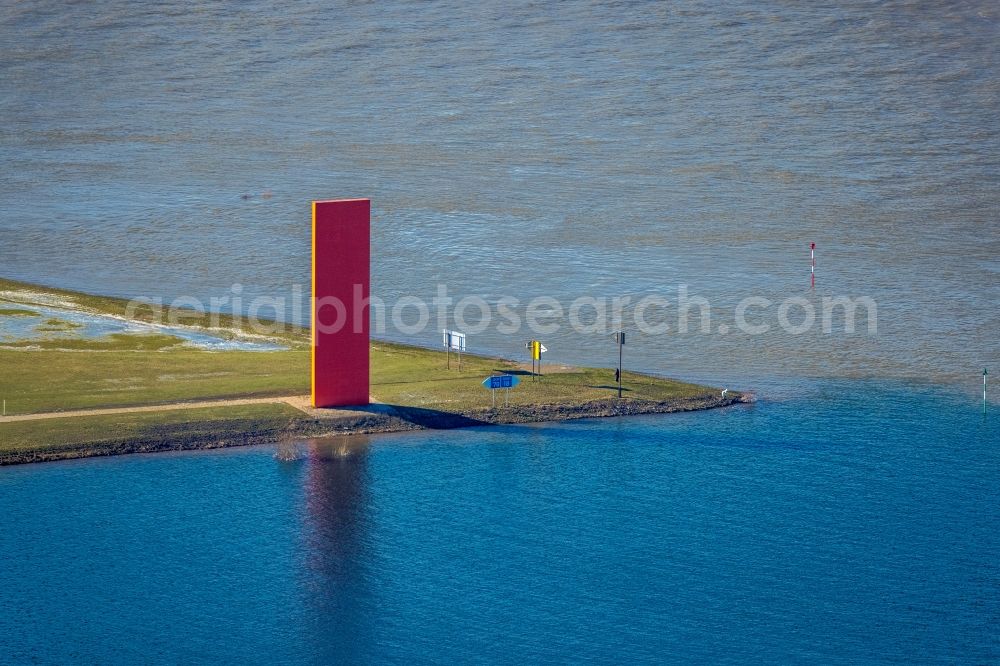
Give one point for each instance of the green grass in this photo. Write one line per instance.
(113, 342)
(124, 370)
(16, 312)
(41, 381)
(45, 380)
(57, 326)
(75, 433)
(417, 377)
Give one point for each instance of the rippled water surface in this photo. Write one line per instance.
(848, 526)
(531, 149)
(564, 150)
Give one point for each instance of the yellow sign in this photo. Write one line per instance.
(536, 350)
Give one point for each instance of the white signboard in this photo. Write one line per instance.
(454, 340)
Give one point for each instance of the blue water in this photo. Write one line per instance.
(563, 150)
(856, 524)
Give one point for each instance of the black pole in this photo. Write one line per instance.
(620, 365)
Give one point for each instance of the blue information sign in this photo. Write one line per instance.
(501, 382)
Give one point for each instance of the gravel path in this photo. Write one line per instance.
(299, 402)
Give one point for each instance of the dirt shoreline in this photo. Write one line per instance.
(372, 420)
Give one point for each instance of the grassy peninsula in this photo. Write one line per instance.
(411, 387)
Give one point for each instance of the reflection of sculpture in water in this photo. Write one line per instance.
(340, 608)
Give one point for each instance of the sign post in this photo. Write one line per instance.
(984, 390)
(500, 382)
(453, 340)
(536, 349)
(620, 339)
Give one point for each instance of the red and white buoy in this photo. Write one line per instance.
(812, 256)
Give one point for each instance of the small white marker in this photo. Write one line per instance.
(724, 392)
(812, 258)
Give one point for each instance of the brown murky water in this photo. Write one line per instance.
(569, 150)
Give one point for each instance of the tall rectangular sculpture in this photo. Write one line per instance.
(341, 273)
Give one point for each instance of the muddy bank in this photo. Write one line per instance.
(373, 420)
